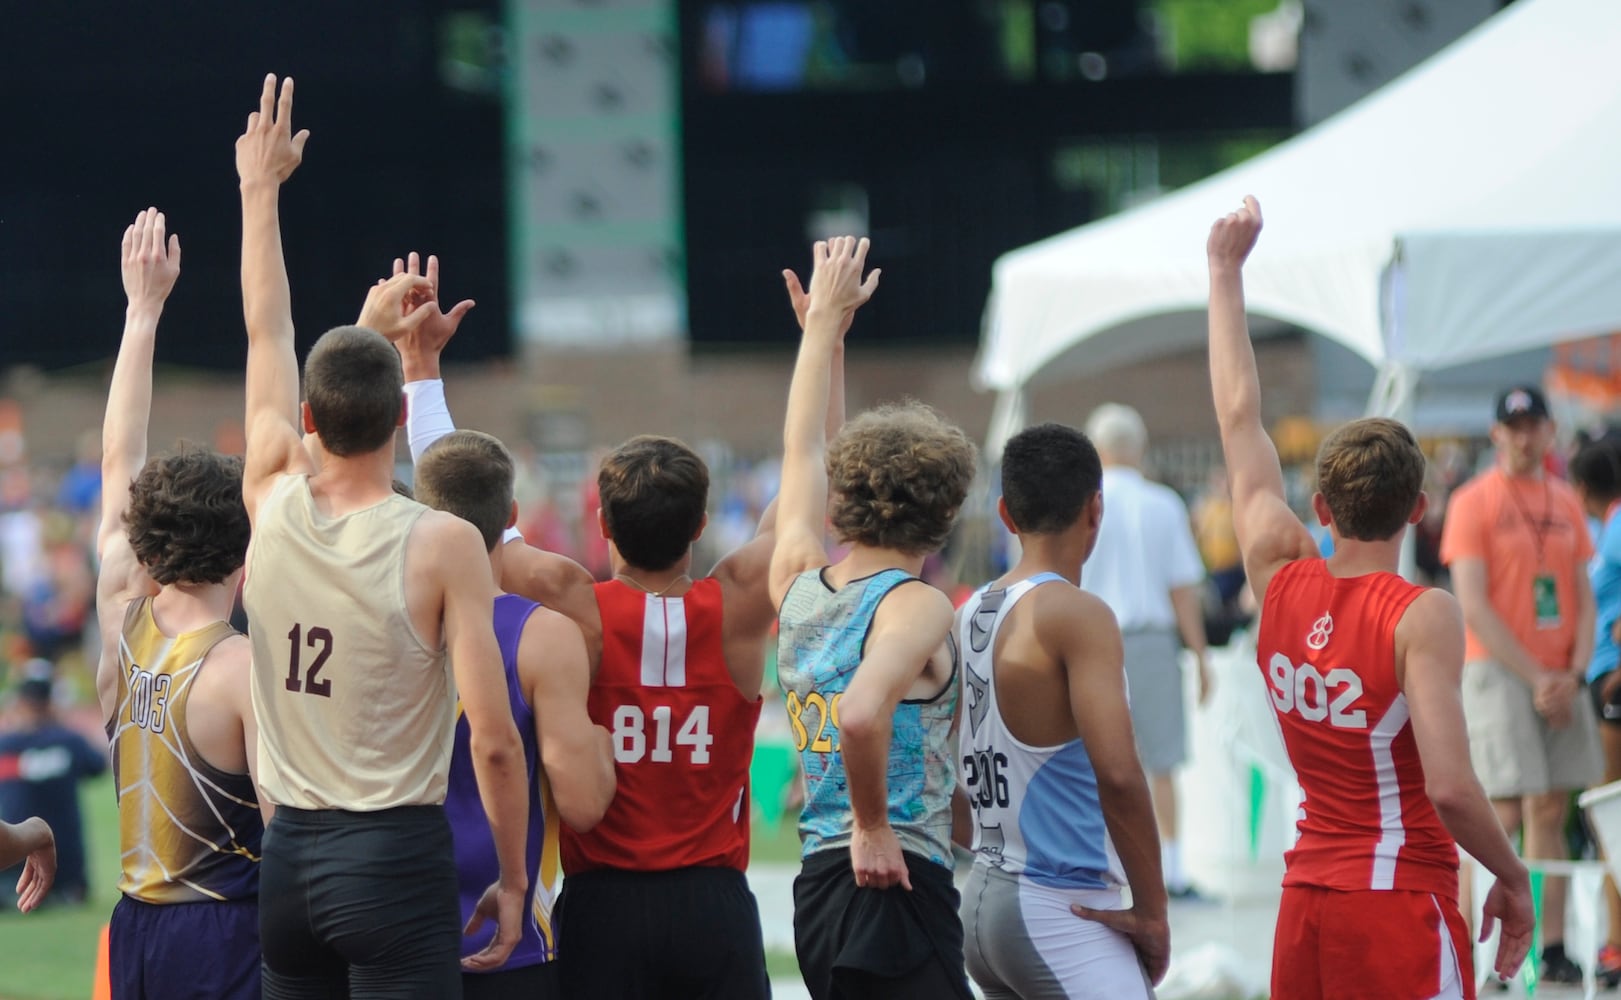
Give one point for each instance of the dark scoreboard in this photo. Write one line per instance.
(932, 124)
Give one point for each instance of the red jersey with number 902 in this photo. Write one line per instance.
(1327, 650)
(683, 737)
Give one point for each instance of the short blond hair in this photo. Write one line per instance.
(898, 475)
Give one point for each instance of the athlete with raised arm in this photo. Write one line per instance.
(356, 596)
(173, 679)
(868, 668)
(1363, 673)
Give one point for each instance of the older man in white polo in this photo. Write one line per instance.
(1146, 567)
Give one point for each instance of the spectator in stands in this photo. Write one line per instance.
(1146, 567)
(41, 764)
(1516, 541)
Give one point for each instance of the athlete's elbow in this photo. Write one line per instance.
(498, 747)
(583, 811)
(862, 722)
(1449, 797)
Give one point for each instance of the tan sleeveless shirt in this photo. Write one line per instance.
(355, 711)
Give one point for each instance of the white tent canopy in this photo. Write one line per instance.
(1471, 208)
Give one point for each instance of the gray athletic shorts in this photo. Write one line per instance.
(1154, 680)
(1514, 750)
(1022, 942)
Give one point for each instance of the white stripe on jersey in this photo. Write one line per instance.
(664, 642)
(1392, 834)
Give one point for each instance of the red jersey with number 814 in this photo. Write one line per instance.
(683, 737)
(1327, 650)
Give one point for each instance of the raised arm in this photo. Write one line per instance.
(1269, 534)
(266, 155)
(1086, 639)
(911, 626)
(554, 580)
(457, 550)
(745, 572)
(577, 754)
(836, 289)
(150, 263)
(1429, 643)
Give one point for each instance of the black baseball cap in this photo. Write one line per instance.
(1521, 401)
(37, 680)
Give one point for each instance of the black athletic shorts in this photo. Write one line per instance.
(359, 905)
(687, 934)
(1609, 714)
(887, 944)
(532, 982)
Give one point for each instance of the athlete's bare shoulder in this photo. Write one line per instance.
(1061, 610)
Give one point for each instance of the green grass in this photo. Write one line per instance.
(51, 954)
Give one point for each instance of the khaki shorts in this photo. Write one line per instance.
(1514, 750)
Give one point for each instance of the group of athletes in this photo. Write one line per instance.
(372, 793)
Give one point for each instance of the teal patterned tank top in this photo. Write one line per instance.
(821, 639)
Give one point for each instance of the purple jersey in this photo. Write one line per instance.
(476, 864)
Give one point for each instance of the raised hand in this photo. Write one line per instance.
(836, 282)
(421, 346)
(150, 264)
(1233, 236)
(800, 301)
(268, 151)
(395, 306)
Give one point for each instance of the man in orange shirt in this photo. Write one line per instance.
(1517, 543)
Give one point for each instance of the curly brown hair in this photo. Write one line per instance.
(898, 475)
(653, 492)
(186, 521)
(1370, 473)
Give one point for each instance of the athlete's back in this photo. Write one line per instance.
(676, 836)
(188, 831)
(683, 736)
(327, 602)
(1327, 647)
(476, 865)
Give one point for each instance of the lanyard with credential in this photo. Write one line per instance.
(1537, 527)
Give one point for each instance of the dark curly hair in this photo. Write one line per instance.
(653, 492)
(898, 475)
(186, 521)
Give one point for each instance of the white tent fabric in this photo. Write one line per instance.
(1469, 209)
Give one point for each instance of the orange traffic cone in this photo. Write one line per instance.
(103, 987)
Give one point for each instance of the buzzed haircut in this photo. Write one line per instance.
(1596, 468)
(186, 521)
(654, 491)
(1049, 474)
(1370, 473)
(898, 475)
(469, 474)
(354, 384)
